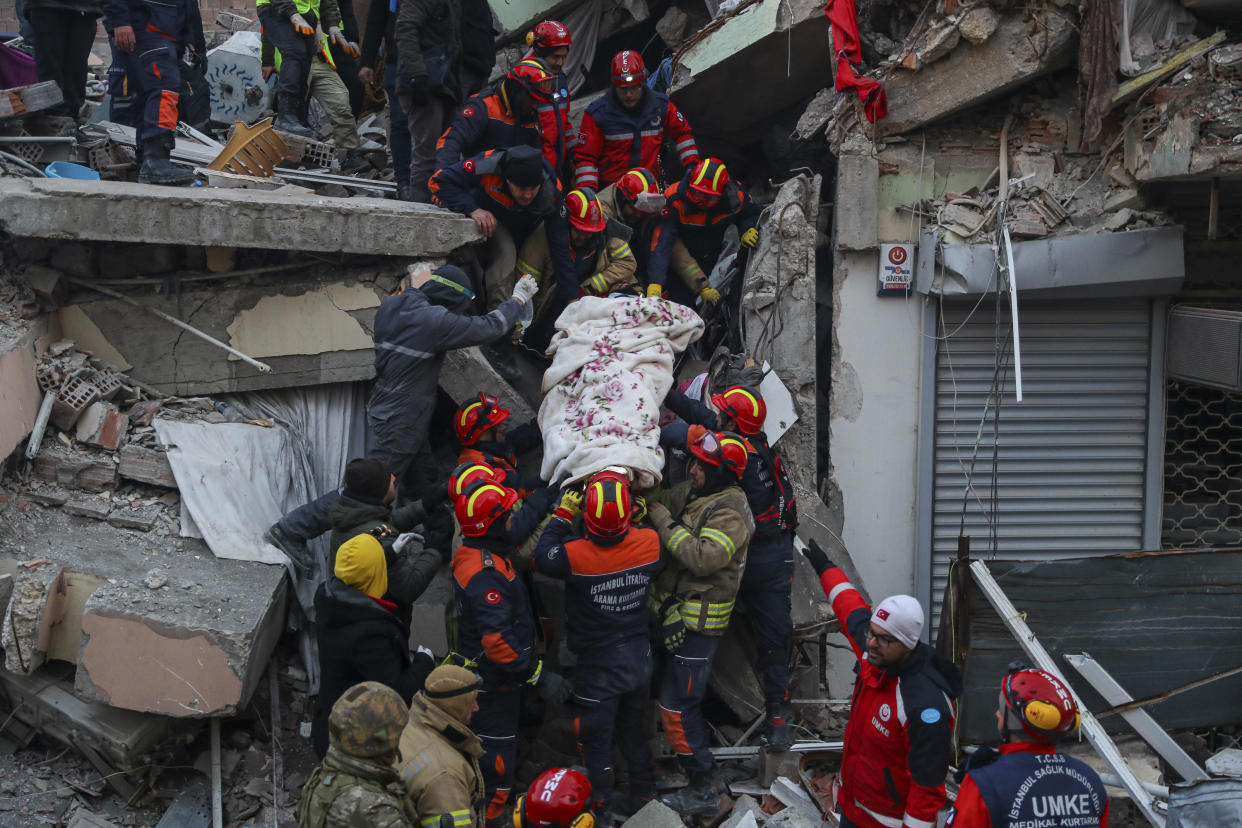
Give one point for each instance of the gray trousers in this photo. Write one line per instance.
(426, 124)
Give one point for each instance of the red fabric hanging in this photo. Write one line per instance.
(844, 19)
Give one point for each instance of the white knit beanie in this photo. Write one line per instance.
(901, 616)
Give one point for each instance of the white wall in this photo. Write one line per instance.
(874, 423)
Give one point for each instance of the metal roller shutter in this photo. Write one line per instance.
(1072, 454)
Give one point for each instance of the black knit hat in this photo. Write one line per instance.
(523, 166)
(367, 478)
(450, 287)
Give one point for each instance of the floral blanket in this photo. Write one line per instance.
(612, 364)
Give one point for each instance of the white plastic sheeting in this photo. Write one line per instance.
(612, 364)
(238, 479)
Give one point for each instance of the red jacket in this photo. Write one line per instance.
(1025, 782)
(559, 138)
(615, 140)
(899, 735)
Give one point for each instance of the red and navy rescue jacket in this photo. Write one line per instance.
(681, 218)
(606, 586)
(486, 121)
(495, 626)
(769, 492)
(559, 138)
(615, 140)
(898, 738)
(1024, 784)
(477, 183)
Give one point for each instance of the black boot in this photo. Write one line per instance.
(700, 798)
(157, 168)
(287, 117)
(352, 162)
(778, 729)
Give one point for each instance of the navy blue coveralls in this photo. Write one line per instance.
(495, 637)
(768, 579)
(606, 606)
(150, 75)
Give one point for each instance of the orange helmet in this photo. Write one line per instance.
(745, 406)
(708, 180)
(533, 75)
(481, 505)
(1040, 702)
(723, 450)
(606, 511)
(467, 474)
(640, 189)
(628, 69)
(549, 34)
(584, 211)
(477, 417)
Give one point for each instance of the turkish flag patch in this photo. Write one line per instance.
(664, 212)
(468, 165)
(468, 111)
(492, 596)
(882, 614)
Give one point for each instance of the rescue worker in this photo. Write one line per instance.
(290, 25)
(478, 45)
(1026, 781)
(600, 251)
(607, 567)
(501, 116)
(381, 31)
(65, 32)
(440, 753)
(528, 517)
(706, 528)
(428, 80)
(428, 316)
(147, 39)
(636, 200)
(361, 637)
(627, 127)
(350, 786)
(485, 439)
(496, 633)
(509, 193)
(898, 738)
(325, 85)
(558, 798)
(550, 41)
(698, 209)
(768, 579)
(365, 506)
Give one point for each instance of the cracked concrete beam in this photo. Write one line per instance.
(116, 211)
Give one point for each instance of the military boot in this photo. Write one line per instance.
(287, 117)
(700, 798)
(157, 168)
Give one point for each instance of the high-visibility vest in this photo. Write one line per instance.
(303, 6)
(323, 50)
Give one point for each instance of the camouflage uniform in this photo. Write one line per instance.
(350, 788)
(351, 792)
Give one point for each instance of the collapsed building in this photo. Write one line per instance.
(1017, 285)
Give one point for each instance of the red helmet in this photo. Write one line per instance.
(477, 417)
(640, 189)
(722, 449)
(550, 34)
(708, 179)
(606, 511)
(481, 505)
(584, 211)
(745, 406)
(1040, 702)
(558, 798)
(628, 69)
(466, 474)
(533, 75)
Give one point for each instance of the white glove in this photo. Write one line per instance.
(403, 540)
(339, 38)
(300, 24)
(525, 289)
(421, 649)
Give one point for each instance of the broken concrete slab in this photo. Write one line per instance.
(102, 425)
(858, 178)
(769, 57)
(745, 806)
(91, 507)
(20, 396)
(655, 814)
(310, 332)
(466, 371)
(146, 465)
(91, 469)
(1018, 51)
(195, 652)
(142, 518)
(118, 211)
